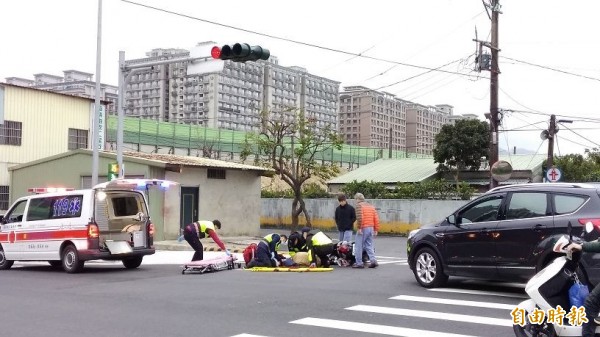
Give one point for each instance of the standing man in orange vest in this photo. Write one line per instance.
(367, 220)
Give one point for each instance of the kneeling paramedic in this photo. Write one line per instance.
(195, 231)
(266, 252)
(319, 244)
(296, 244)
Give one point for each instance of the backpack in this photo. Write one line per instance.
(249, 252)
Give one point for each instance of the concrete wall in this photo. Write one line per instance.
(397, 216)
(235, 201)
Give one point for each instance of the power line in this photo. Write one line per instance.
(581, 135)
(417, 75)
(553, 69)
(293, 41)
(576, 143)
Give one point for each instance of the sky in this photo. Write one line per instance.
(549, 50)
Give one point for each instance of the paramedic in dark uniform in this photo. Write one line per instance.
(266, 252)
(297, 242)
(195, 231)
(319, 244)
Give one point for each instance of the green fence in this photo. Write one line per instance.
(193, 137)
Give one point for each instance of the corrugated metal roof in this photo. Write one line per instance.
(524, 162)
(194, 161)
(418, 169)
(157, 160)
(391, 171)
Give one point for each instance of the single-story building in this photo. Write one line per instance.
(390, 172)
(207, 189)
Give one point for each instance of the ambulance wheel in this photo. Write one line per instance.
(4, 263)
(70, 260)
(132, 262)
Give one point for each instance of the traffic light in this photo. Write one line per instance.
(113, 171)
(240, 52)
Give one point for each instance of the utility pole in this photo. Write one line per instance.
(390, 143)
(551, 133)
(96, 124)
(494, 6)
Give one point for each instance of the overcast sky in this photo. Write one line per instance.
(41, 36)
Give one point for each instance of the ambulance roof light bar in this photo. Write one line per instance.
(39, 190)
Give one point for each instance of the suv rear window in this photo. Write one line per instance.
(565, 204)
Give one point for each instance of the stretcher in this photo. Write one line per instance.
(289, 269)
(209, 265)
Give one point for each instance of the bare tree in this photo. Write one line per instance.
(289, 143)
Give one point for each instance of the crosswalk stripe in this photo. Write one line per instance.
(391, 262)
(453, 302)
(372, 328)
(433, 315)
(478, 292)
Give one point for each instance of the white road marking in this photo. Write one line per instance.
(433, 315)
(247, 335)
(478, 292)
(372, 328)
(454, 302)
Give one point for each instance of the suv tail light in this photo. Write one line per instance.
(93, 236)
(595, 222)
(150, 234)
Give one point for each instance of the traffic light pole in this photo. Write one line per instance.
(125, 73)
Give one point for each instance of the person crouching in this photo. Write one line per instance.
(266, 252)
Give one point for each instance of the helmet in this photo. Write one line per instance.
(343, 248)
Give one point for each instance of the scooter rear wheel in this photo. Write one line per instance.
(534, 330)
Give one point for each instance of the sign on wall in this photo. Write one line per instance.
(101, 126)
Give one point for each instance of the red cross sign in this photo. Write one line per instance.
(553, 175)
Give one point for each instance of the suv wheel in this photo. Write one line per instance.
(428, 269)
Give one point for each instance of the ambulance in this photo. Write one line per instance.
(67, 227)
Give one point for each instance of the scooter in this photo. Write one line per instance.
(549, 288)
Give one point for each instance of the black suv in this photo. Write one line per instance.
(505, 234)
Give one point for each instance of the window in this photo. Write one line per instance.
(565, 204)
(125, 206)
(216, 174)
(10, 133)
(54, 207)
(4, 197)
(486, 210)
(78, 139)
(16, 214)
(527, 205)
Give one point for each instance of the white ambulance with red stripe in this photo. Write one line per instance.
(68, 227)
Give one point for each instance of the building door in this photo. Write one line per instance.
(189, 205)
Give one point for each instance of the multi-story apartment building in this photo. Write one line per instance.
(369, 118)
(423, 123)
(231, 99)
(37, 123)
(73, 82)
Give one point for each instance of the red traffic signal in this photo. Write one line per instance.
(241, 52)
(215, 52)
